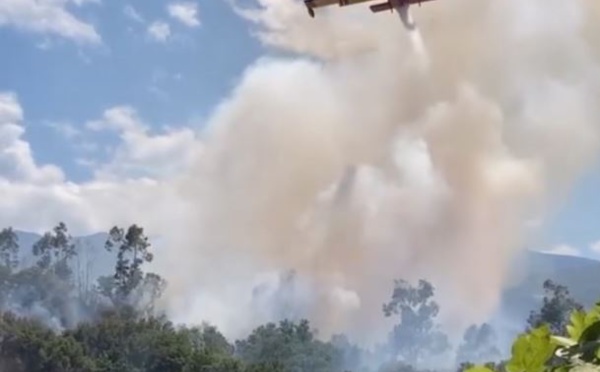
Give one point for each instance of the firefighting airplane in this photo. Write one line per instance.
(400, 5)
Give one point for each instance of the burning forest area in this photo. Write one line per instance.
(365, 192)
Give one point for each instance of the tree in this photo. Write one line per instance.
(55, 249)
(351, 356)
(130, 285)
(9, 248)
(538, 350)
(45, 290)
(9, 260)
(208, 339)
(479, 345)
(416, 336)
(556, 308)
(288, 346)
(28, 346)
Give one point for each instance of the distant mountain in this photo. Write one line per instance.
(92, 259)
(531, 269)
(580, 275)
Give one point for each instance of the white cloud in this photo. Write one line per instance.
(16, 159)
(595, 247)
(120, 118)
(67, 130)
(35, 197)
(140, 153)
(76, 137)
(47, 17)
(87, 207)
(133, 14)
(159, 31)
(84, 2)
(564, 250)
(185, 12)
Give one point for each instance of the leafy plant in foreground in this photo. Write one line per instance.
(541, 351)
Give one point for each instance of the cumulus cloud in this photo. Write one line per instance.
(159, 31)
(185, 12)
(16, 158)
(35, 197)
(141, 153)
(564, 250)
(48, 17)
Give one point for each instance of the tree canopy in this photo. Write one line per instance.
(49, 322)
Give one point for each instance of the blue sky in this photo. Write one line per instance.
(172, 82)
(575, 224)
(171, 63)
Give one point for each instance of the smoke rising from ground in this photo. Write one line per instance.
(354, 165)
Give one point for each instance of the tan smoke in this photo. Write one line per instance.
(356, 164)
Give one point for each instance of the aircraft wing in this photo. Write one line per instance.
(311, 4)
(388, 5)
(322, 3)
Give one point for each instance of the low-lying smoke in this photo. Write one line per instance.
(354, 164)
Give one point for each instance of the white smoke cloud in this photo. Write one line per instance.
(450, 162)
(354, 164)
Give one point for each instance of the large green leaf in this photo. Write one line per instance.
(479, 369)
(577, 326)
(531, 351)
(590, 333)
(563, 341)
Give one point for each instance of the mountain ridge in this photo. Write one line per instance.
(531, 268)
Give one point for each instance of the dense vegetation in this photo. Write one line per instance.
(50, 322)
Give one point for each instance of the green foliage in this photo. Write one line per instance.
(29, 346)
(54, 250)
(541, 351)
(557, 306)
(287, 346)
(130, 286)
(122, 331)
(208, 339)
(581, 320)
(122, 342)
(531, 351)
(582, 346)
(479, 369)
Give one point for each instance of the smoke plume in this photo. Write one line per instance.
(375, 153)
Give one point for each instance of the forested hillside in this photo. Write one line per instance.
(54, 318)
(526, 293)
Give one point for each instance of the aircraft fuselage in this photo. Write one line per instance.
(376, 8)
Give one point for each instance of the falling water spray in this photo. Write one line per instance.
(416, 39)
